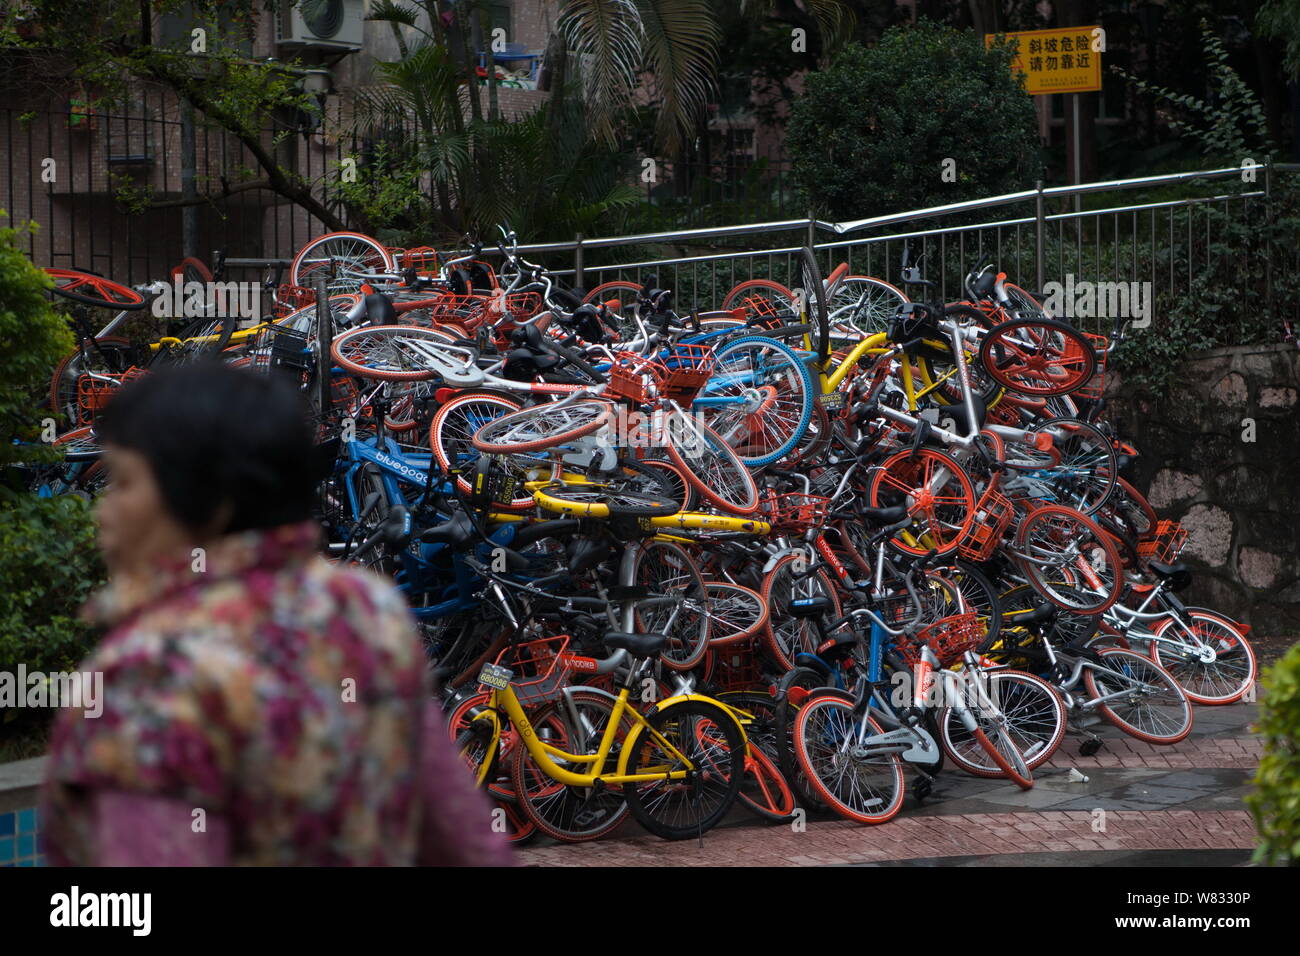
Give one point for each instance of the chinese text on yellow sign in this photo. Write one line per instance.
(1061, 60)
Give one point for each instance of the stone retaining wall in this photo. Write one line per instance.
(1221, 454)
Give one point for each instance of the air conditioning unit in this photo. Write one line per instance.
(322, 24)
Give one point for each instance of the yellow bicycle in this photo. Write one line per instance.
(582, 758)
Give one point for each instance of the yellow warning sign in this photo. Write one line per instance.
(1061, 60)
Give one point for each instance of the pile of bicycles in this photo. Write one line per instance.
(785, 552)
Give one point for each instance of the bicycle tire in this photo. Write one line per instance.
(555, 810)
(1154, 672)
(1185, 672)
(894, 483)
(1100, 547)
(1050, 737)
(665, 569)
(709, 452)
(451, 436)
(813, 762)
(781, 378)
(112, 295)
(1001, 358)
(775, 800)
(366, 252)
(116, 351)
(345, 349)
(811, 277)
(584, 417)
(712, 741)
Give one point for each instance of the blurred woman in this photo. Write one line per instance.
(261, 706)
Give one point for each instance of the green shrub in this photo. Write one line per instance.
(1275, 802)
(35, 337)
(48, 566)
(870, 133)
(48, 560)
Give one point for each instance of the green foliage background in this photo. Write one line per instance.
(871, 131)
(48, 560)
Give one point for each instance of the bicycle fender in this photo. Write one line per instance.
(773, 559)
(630, 744)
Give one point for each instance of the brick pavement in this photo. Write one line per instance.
(913, 837)
(1184, 799)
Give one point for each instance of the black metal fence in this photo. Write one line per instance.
(131, 191)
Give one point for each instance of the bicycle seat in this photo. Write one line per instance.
(1044, 612)
(454, 532)
(638, 645)
(379, 310)
(1177, 574)
(810, 607)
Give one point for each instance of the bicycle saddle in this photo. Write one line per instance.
(810, 607)
(453, 532)
(885, 515)
(1177, 574)
(379, 310)
(638, 645)
(1044, 612)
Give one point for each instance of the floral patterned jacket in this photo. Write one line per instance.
(277, 693)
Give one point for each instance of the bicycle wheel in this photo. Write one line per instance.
(700, 738)
(736, 613)
(403, 353)
(95, 290)
(451, 437)
(109, 355)
(568, 813)
(461, 719)
(810, 277)
(862, 306)
(624, 316)
(711, 466)
(1084, 475)
(794, 690)
(190, 269)
(673, 482)
(343, 259)
(787, 636)
(937, 493)
(676, 603)
(766, 303)
(539, 427)
(1132, 506)
(1149, 704)
(848, 778)
(1069, 560)
(1024, 305)
(1038, 356)
(759, 398)
(1222, 681)
(200, 339)
(1035, 718)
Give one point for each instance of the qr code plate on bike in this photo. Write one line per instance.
(495, 676)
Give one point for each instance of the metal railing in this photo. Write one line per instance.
(1167, 242)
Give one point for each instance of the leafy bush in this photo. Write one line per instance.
(1276, 800)
(35, 339)
(48, 560)
(48, 566)
(870, 133)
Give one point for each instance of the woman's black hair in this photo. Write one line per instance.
(217, 437)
